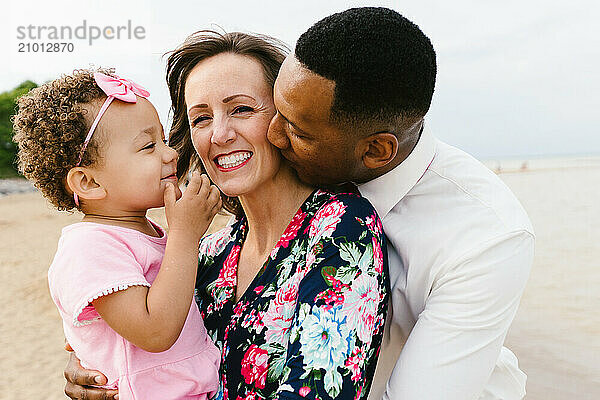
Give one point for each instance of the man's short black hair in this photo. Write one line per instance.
(382, 64)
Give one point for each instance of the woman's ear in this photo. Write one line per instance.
(379, 149)
(80, 180)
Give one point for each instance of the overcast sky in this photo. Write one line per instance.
(515, 78)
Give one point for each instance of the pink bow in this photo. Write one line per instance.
(119, 88)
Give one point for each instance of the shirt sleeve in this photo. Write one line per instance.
(453, 348)
(90, 265)
(341, 307)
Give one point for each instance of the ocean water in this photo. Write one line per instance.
(556, 333)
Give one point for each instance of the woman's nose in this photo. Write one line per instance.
(276, 133)
(222, 133)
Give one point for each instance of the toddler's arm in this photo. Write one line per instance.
(152, 318)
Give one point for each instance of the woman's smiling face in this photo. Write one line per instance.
(229, 107)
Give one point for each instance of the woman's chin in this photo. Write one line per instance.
(231, 189)
(230, 193)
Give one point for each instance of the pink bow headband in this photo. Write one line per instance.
(115, 88)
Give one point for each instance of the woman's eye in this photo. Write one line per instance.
(242, 109)
(199, 119)
(149, 146)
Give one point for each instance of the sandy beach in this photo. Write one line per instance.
(556, 334)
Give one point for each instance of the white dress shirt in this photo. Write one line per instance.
(460, 250)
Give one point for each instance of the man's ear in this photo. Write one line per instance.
(378, 149)
(80, 180)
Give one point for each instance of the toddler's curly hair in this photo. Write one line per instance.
(50, 127)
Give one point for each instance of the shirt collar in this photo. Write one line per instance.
(385, 191)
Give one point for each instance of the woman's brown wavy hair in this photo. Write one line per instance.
(199, 46)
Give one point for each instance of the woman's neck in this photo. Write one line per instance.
(270, 209)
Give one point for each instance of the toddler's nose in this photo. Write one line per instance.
(170, 155)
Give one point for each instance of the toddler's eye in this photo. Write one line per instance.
(149, 146)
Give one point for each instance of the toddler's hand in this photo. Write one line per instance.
(194, 211)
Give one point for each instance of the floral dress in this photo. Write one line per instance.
(311, 322)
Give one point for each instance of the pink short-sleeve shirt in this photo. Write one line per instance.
(93, 260)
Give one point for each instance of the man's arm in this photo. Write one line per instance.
(80, 381)
(453, 348)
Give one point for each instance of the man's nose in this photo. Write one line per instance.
(276, 133)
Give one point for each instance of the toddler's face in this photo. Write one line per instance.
(136, 162)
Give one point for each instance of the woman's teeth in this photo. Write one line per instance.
(233, 160)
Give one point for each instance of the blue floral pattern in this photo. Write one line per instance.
(310, 324)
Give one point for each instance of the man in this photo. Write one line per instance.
(351, 103)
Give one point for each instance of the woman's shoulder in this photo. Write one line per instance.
(351, 203)
(343, 214)
(214, 243)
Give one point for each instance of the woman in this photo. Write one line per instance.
(294, 289)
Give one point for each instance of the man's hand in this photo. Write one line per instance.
(81, 382)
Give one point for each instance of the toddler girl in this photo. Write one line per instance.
(92, 141)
